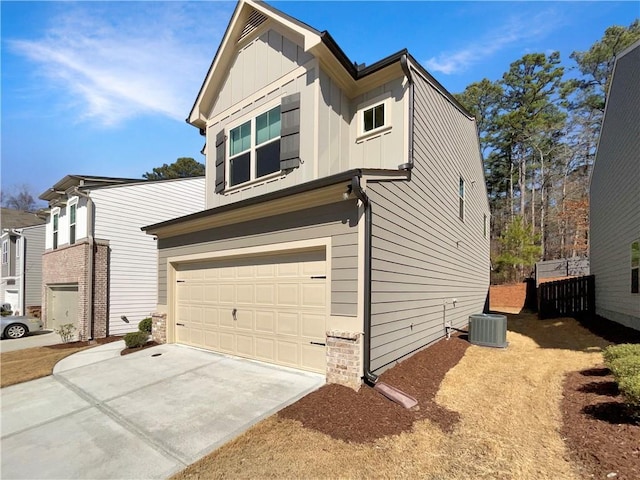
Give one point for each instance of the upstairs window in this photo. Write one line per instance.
(254, 148)
(635, 267)
(461, 198)
(5, 252)
(56, 217)
(373, 118)
(485, 226)
(72, 223)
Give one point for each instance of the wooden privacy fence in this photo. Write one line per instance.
(565, 298)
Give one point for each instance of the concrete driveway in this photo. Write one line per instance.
(144, 415)
(36, 339)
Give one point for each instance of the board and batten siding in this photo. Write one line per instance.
(615, 195)
(337, 221)
(34, 239)
(120, 212)
(423, 255)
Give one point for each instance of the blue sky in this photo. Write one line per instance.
(103, 88)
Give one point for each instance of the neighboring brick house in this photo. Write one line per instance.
(22, 244)
(99, 269)
(346, 221)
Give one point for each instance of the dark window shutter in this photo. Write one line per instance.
(220, 160)
(290, 132)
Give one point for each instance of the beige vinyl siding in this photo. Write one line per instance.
(120, 212)
(34, 248)
(337, 221)
(423, 255)
(615, 196)
(259, 63)
(303, 84)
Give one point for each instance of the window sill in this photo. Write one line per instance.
(373, 133)
(253, 183)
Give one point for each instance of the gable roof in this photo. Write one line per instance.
(11, 218)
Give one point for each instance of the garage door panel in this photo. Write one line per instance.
(288, 294)
(244, 345)
(288, 323)
(265, 321)
(314, 295)
(313, 326)
(288, 353)
(265, 349)
(313, 357)
(280, 304)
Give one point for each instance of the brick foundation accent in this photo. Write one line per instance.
(69, 265)
(159, 327)
(343, 358)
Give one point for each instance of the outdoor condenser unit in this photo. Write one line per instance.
(488, 330)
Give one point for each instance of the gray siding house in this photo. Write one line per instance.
(346, 220)
(22, 244)
(615, 197)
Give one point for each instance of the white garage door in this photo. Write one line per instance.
(270, 308)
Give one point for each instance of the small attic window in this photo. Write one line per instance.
(253, 22)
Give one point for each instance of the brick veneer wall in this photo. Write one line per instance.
(343, 358)
(159, 327)
(68, 265)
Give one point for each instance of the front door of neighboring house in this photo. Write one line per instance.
(62, 306)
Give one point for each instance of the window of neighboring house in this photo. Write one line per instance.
(5, 252)
(461, 195)
(254, 148)
(484, 226)
(18, 243)
(635, 267)
(72, 223)
(56, 218)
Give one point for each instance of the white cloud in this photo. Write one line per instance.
(118, 61)
(517, 30)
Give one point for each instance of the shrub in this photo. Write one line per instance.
(136, 339)
(630, 388)
(616, 351)
(145, 325)
(623, 367)
(66, 331)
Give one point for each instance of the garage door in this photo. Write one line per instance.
(62, 306)
(270, 308)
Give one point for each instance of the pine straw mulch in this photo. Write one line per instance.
(372, 416)
(149, 344)
(601, 432)
(86, 343)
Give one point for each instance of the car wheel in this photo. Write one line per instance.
(15, 331)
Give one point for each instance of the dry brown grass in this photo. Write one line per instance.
(510, 420)
(31, 363)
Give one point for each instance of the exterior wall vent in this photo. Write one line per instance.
(488, 330)
(253, 22)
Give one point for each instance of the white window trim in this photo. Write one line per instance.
(72, 203)
(55, 211)
(384, 99)
(18, 245)
(252, 161)
(5, 252)
(461, 213)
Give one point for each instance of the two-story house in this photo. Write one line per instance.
(614, 236)
(347, 216)
(99, 269)
(22, 244)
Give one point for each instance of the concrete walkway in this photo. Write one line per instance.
(143, 415)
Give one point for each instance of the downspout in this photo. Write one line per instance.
(356, 188)
(404, 63)
(23, 276)
(90, 235)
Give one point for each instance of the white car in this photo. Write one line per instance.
(17, 327)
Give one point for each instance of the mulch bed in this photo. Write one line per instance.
(149, 344)
(602, 434)
(97, 341)
(370, 415)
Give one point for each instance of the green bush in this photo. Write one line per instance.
(136, 339)
(67, 332)
(623, 367)
(630, 388)
(616, 351)
(145, 325)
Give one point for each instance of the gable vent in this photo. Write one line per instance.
(254, 21)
